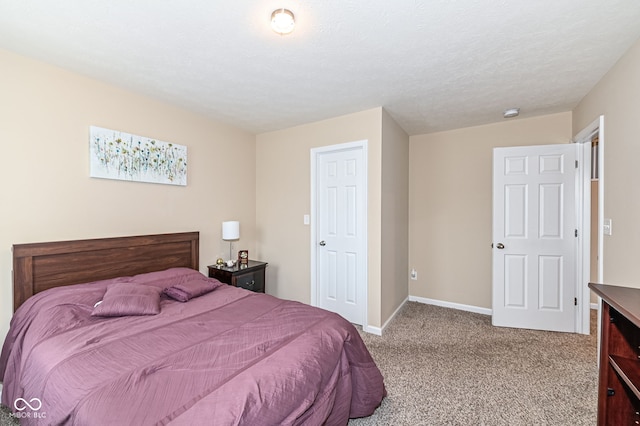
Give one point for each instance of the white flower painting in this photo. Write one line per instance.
(122, 156)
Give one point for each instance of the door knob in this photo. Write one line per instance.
(322, 243)
(500, 246)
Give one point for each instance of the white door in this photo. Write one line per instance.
(340, 238)
(535, 237)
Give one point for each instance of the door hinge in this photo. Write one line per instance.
(575, 301)
(576, 164)
(576, 233)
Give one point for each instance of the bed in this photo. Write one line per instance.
(77, 354)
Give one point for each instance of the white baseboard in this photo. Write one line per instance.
(458, 306)
(379, 330)
(372, 330)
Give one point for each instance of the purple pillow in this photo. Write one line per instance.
(124, 299)
(188, 289)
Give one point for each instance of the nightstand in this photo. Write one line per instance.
(250, 276)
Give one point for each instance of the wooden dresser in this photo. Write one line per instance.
(619, 375)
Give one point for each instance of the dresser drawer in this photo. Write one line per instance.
(253, 281)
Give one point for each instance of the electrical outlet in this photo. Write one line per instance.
(414, 274)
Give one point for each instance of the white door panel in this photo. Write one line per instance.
(341, 226)
(534, 254)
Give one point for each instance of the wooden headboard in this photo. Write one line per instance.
(41, 266)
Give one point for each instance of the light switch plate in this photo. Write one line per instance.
(305, 219)
(607, 227)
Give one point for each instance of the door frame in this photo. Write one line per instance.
(583, 273)
(315, 158)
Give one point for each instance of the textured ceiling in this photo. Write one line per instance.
(433, 64)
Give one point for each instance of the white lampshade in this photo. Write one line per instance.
(230, 230)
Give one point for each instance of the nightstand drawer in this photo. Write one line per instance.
(253, 281)
(250, 276)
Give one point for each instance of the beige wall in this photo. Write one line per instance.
(46, 191)
(617, 97)
(450, 207)
(283, 188)
(395, 216)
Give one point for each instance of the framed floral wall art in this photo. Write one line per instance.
(122, 156)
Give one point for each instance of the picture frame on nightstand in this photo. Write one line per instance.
(243, 257)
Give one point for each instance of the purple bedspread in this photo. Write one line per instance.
(228, 357)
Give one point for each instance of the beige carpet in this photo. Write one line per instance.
(449, 367)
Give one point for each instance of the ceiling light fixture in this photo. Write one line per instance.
(511, 112)
(282, 21)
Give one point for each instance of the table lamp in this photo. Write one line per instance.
(231, 232)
